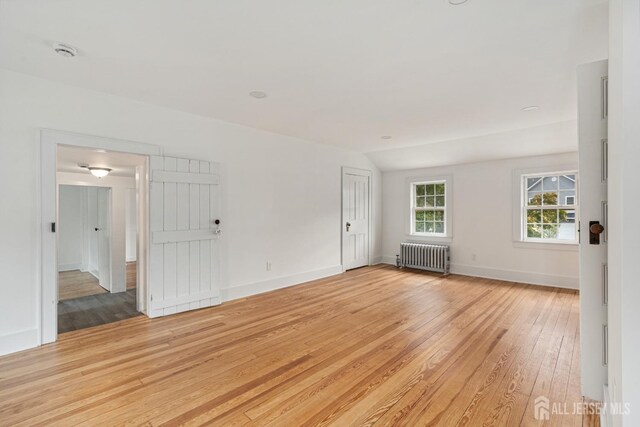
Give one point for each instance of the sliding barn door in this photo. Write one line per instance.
(184, 222)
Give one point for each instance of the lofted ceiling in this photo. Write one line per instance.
(337, 72)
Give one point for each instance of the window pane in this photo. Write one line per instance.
(550, 216)
(430, 202)
(429, 215)
(534, 198)
(549, 231)
(420, 189)
(534, 184)
(440, 189)
(420, 215)
(568, 197)
(428, 227)
(550, 183)
(567, 182)
(567, 216)
(439, 215)
(431, 189)
(420, 201)
(419, 227)
(534, 230)
(550, 199)
(440, 201)
(534, 216)
(439, 227)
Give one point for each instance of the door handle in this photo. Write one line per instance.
(348, 225)
(595, 229)
(97, 229)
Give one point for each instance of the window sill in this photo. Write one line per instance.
(556, 246)
(432, 238)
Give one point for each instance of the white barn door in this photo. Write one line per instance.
(184, 223)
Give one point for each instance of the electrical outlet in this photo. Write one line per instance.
(268, 265)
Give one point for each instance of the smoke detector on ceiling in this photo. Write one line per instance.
(65, 50)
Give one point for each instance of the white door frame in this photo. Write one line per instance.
(362, 172)
(46, 255)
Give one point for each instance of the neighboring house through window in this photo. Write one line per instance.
(550, 204)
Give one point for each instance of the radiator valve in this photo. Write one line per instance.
(398, 261)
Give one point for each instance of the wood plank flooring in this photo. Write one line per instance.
(77, 284)
(99, 308)
(374, 346)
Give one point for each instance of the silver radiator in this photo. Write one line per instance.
(424, 256)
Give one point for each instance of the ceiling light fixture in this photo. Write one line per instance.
(65, 50)
(531, 108)
(99, 172)
(385, 137)
(257, 94)
(457, 2)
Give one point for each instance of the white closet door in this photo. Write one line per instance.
(184, 205)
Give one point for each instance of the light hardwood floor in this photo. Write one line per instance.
(374, 346)
(77, 284)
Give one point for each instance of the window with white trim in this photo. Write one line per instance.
(429, 208)
(550, 207)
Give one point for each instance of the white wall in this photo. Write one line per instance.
(71, 227)
(624, 206)
(482, 224)
(131, 224)
(282, 195)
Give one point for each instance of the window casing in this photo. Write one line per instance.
(550, 207)
(429, 208)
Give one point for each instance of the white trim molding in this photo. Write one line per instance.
(249, 289)
(526, 277)
(18, 341)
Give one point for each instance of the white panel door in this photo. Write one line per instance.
(355, 219)
(592, 145)
(103, 230)
(184, 222)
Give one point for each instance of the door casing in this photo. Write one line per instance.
(362, 172)
(46, 256)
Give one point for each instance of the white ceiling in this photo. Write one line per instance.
(121, 164)
(337, 72)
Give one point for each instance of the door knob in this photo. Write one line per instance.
(348, 225)
(596, 228)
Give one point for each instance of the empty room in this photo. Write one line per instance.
(310, 213)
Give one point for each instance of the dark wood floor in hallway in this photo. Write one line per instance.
(373, 346)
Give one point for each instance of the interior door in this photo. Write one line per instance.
(355, 218)
(185, 227)
(104, 236)
(592, 137)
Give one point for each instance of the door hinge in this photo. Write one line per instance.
(53, 227)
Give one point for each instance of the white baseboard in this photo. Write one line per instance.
(605, 416)
(69, 267)
(130, 259)
(18, 341)
(530, 278)
(376, 260)
(391, 260)
(249, 289)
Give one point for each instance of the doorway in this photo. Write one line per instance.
(356, 218)
(96, 237)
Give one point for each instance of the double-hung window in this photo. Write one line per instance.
(549, 208)
(429, 208)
